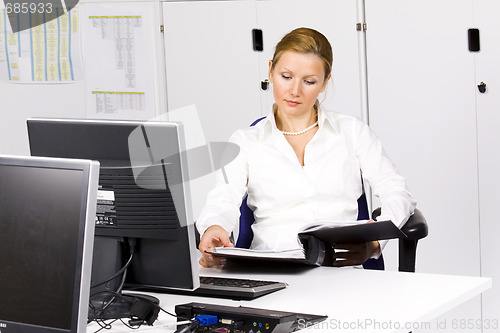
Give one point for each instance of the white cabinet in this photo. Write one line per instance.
(422, 105)
(441, 131)
(488, 125)
(210, 63)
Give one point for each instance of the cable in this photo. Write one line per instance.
(189, 328)
(106, 303)
(113, 305)
(131, 242)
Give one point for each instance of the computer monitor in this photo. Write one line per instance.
(47, 211)
(142, 196)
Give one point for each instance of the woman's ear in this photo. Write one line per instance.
(270, 75)
(326, 82)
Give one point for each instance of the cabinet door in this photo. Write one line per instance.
(422, 104)
(210, 63)
(488, 124)
(336, 19)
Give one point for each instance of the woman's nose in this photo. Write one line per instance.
(295, 88)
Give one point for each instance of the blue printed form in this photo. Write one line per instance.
(47, 51)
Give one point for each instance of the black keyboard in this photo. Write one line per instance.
(236, 288)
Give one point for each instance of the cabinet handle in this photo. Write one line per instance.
(258, 42)
(482, 87)
(264, 84)
(474, 43)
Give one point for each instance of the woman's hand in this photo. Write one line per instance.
(213, 237)
(354, 253)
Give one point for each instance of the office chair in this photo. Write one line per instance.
(415, 228)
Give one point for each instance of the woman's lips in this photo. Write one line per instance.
(292, 103)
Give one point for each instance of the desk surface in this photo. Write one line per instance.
(355, 300)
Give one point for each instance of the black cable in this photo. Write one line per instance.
(134, 322)
(122, 283)
(117, 299)
(131, 242)
(131, 326)
(97, 313)
(189, 328)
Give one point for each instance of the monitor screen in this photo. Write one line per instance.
(142, 196)
(47, 209)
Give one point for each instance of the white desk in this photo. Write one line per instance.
(355, 300)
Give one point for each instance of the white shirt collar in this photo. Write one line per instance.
(269, 123)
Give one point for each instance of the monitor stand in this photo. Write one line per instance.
(107, 301)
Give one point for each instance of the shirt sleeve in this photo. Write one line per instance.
(223, 202)
(382, 175)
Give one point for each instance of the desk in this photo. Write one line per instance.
(355, 300)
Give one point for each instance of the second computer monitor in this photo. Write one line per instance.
(143, 196)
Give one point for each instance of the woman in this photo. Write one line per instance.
(302, 164)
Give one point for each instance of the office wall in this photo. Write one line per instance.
(98, 53)
(20, 102)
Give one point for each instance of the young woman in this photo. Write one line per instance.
(302, 164)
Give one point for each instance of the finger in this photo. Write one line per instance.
(346, 255)
(225, 241)
(348, 246)
(208, 262)
(208, 243)
(346, 262)
(212, 261)
(203, 262)
(208, 255)
(204, 245)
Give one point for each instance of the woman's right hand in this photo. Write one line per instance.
(213, 237)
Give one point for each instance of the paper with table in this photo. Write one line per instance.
(316, 240)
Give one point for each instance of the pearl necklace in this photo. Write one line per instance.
(300, 132)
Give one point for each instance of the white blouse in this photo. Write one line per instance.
(285, 195)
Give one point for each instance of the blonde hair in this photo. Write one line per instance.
(306, 41)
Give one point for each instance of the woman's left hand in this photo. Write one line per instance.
(350, 254)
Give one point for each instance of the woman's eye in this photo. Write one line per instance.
(310, 82)
(285, 76)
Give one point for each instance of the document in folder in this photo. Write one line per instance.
(316, 241)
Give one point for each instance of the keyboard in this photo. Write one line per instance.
(236, 288)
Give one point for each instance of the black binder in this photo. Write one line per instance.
(317, 243)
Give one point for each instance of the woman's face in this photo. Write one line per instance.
(297, 81)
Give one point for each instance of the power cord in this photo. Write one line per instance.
(189, 328)
(111, 304)
(131, 243)
(133, 310)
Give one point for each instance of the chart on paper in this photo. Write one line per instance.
(48, 52)
(119, 62)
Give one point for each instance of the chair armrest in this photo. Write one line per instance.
(415, 228)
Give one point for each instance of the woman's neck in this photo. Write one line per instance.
(295, 123)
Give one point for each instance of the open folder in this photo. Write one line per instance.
(316, 242)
